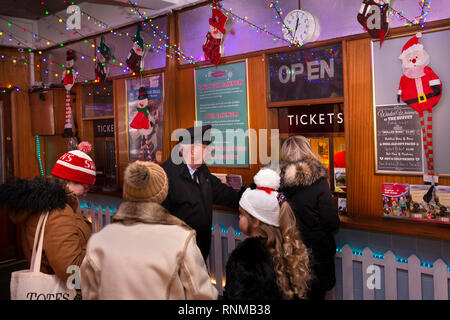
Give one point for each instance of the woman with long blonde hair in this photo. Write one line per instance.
(272, 263)
(304, 181)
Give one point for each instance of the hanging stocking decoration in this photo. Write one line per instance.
(141, 120)
(421, 89)
(101, 63)
(135, 59)
(373, 15)
(219, 27)
(69, 81)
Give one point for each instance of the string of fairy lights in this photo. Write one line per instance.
(274, 4)
(154, 30)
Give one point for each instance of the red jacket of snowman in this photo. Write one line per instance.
(419, 87)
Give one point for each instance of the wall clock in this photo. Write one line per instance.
(303, 25)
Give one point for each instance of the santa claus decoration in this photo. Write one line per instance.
(101, 63)
(421, 89)
(68, 81)
(135, 59)
(219, 27)
(141, 122)
(374, 17)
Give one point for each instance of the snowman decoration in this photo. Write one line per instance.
(420, 88)
(68, 81)
(144, 123)
(135, 59)
(219, 27)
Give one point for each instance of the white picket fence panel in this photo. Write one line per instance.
(99, 216)
(438, 270)
(216, 262)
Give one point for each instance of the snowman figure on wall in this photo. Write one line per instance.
(135, 59)
(143, 124)
(421, 89)
(68, 81)
(219, 27)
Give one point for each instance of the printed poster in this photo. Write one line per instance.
(145, 144)
(221, 101)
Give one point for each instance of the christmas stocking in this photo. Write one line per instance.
(219, 27)
(101, 63)
(135, 59)
(421, 89)
(69, 81)
(374, 17)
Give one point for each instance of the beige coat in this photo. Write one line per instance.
(148, 254)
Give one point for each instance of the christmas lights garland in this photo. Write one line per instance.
(273, 4)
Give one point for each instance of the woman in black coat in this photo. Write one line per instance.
(305, 184)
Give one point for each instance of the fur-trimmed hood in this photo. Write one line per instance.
(23, 198)
(131, 212)
(302, 173)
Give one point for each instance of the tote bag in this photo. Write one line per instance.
(33, 284)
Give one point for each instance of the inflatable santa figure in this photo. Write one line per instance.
(219, 27)
(69, 81)
(421, 89)
(141, 122)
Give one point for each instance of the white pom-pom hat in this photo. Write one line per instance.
(262, 202)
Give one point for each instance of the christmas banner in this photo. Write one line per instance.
(145, 118)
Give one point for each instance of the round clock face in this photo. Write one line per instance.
(301, 25)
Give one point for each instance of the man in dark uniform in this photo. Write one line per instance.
(193, 189)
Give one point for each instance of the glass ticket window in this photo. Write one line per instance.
(323, 125)
(99, 129)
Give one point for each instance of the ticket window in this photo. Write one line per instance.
(323, 125)
(98, 120)
(331, 151)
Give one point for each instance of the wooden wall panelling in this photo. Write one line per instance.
(120, 126)
(25, 163)
(170, 87)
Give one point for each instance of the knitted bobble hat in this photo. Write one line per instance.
(145, 181)
(262, 202)
(76, 165)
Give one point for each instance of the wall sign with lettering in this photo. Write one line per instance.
(315, 73)
(221, 101)
(104, 128)
(310, 119)
(398, 142)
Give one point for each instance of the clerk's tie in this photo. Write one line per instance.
(196, 176)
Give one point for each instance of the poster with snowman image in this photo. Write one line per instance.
(145, 118)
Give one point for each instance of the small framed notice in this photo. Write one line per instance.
(398, 140)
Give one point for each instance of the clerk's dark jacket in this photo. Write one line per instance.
(306, 188)
(192, 202)
(250, 273)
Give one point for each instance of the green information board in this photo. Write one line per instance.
(221, 101)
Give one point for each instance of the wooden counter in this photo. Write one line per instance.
(398, 226)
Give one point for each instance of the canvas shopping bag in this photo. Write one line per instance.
(33, 284)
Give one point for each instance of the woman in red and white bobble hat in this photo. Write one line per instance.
(66, 230)
(77, 169)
